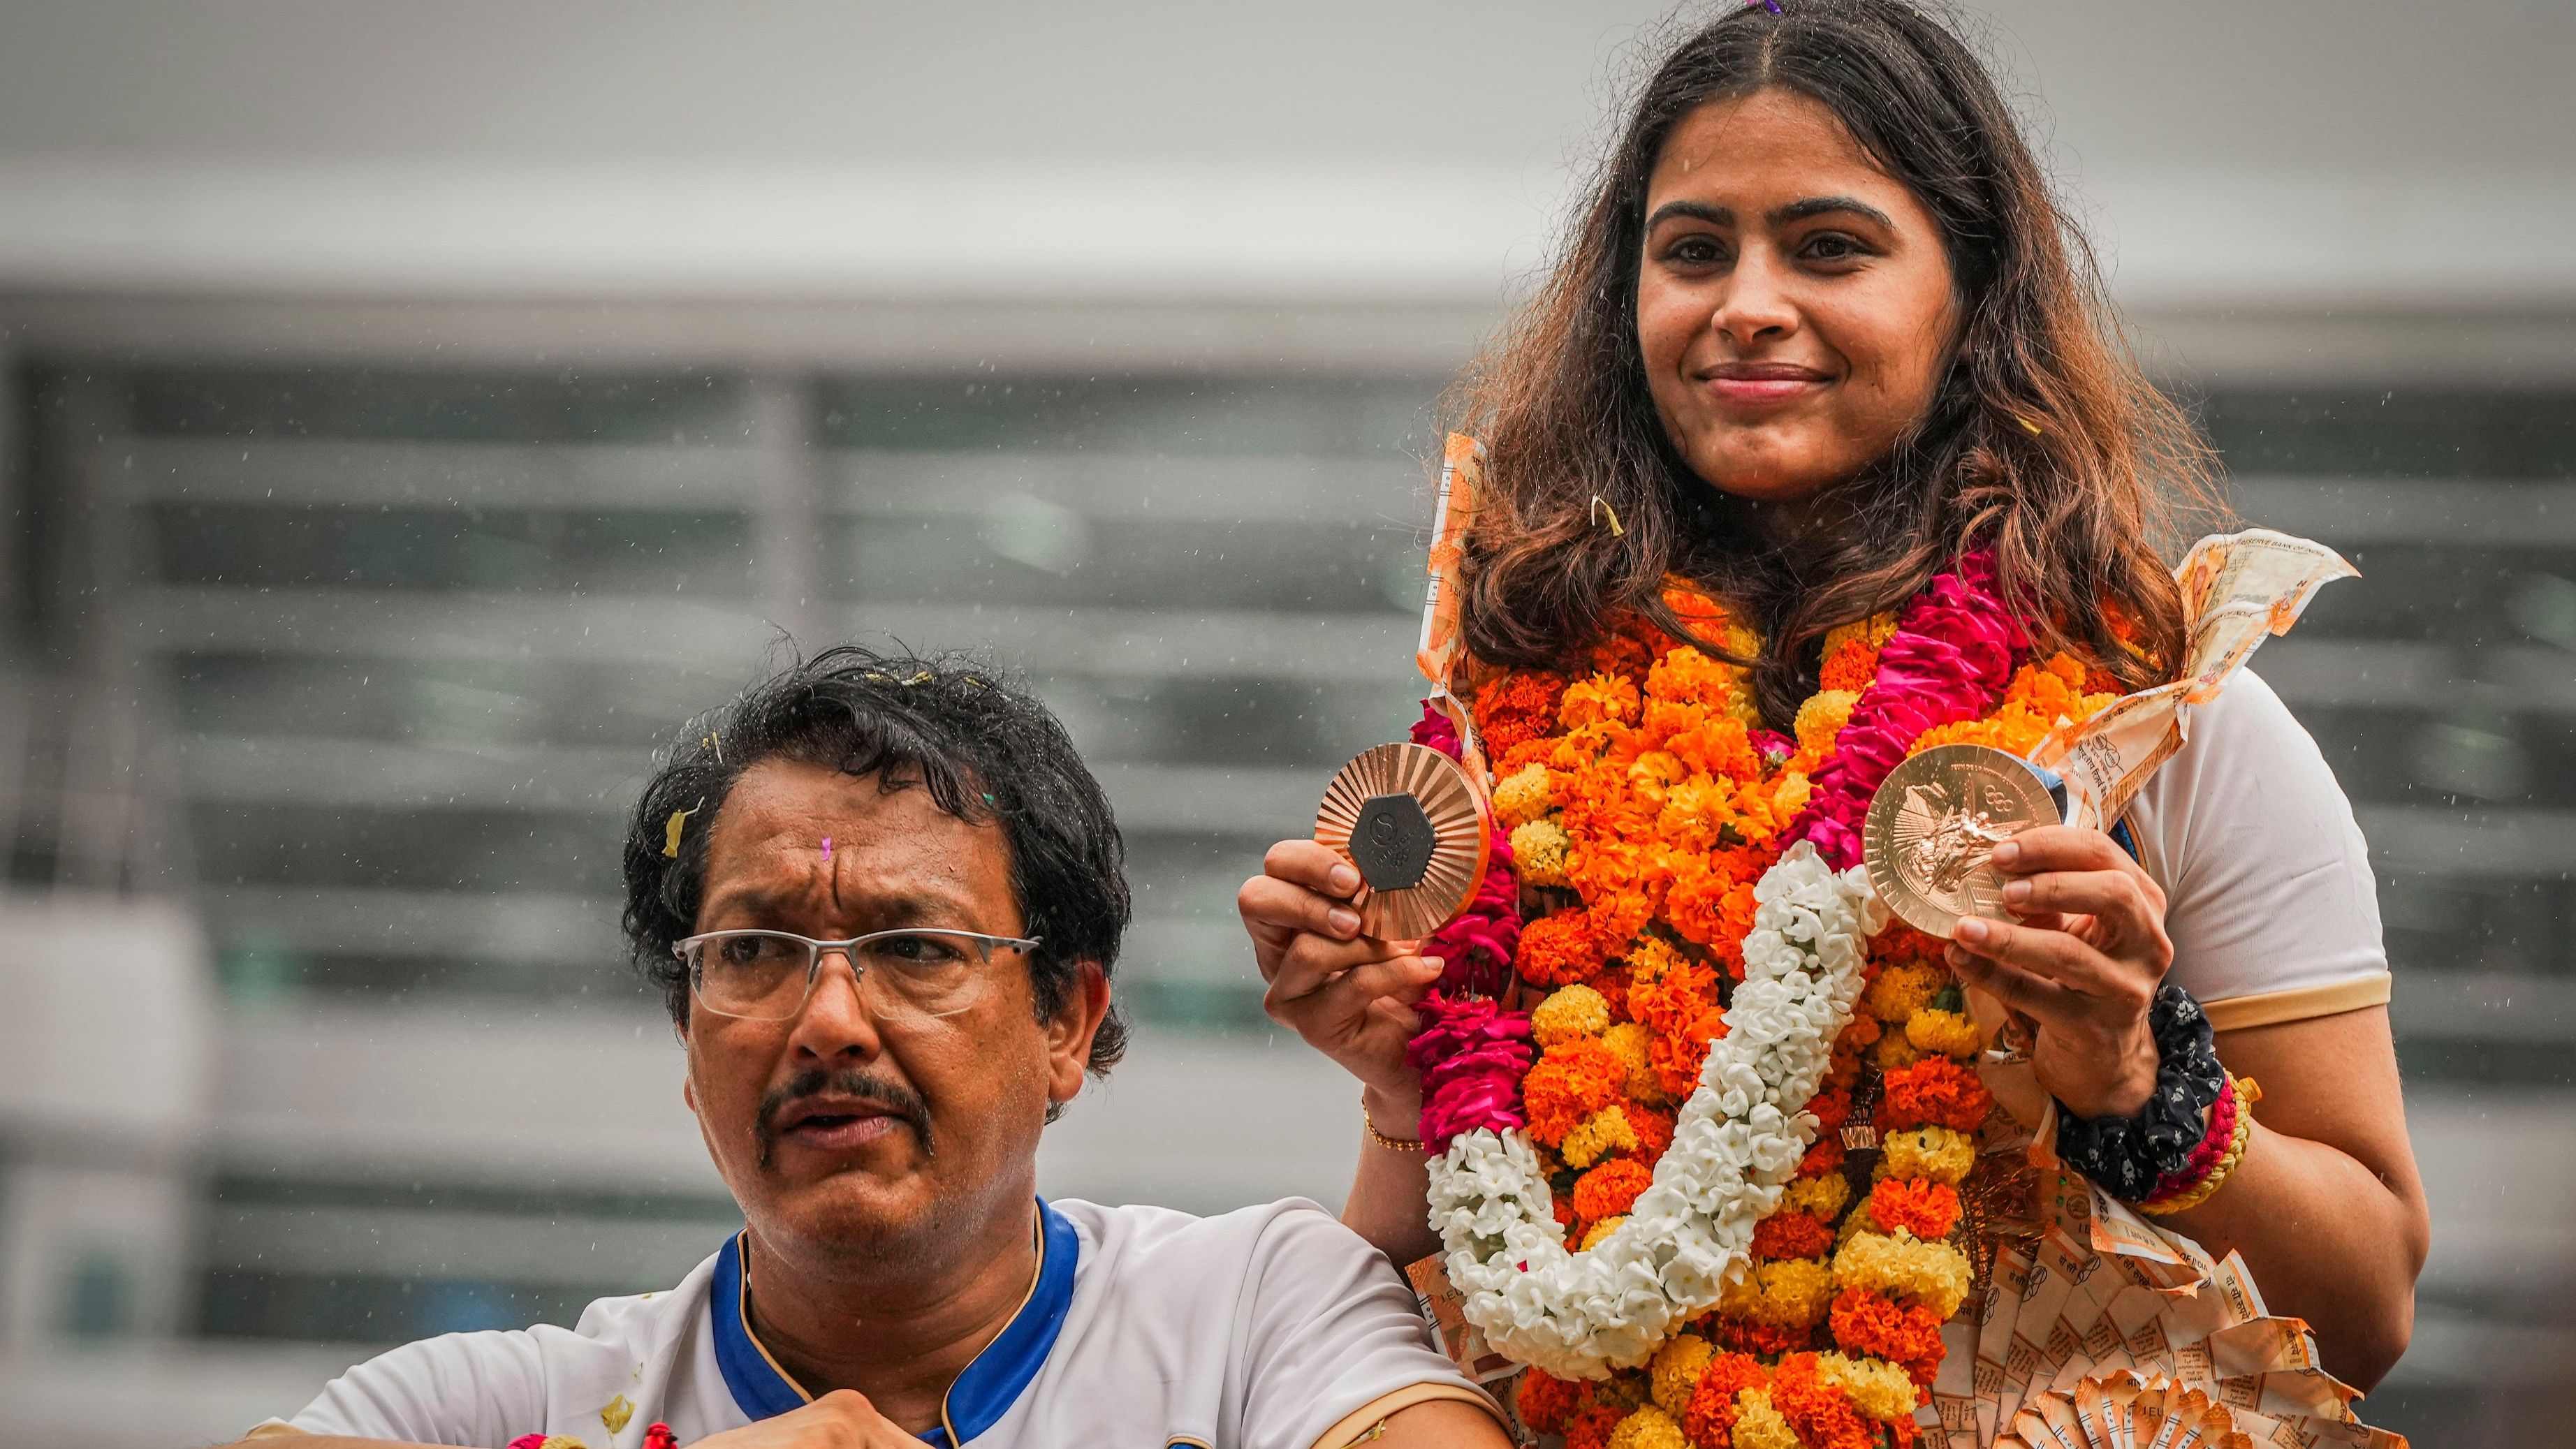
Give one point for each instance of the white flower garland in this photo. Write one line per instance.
(1738, 1139)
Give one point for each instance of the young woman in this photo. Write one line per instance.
(1819, 333)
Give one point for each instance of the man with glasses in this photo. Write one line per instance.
(882, 899)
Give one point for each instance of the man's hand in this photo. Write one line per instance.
(841, 1419)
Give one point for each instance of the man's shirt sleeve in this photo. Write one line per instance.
(459, 1388)
(1331, 1338)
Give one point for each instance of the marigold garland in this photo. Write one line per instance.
(1642, 803)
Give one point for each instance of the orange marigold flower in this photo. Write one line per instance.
(1719, 747)
(1823, 1156)
(1563, 1211)
(1851, 666)
(1572, 1081)
(1712, 908)
(1517, 709)
(1630, 649)
(1842, 1069)
(1905, 1334)
(2098, 680)
(1596, 699)
(1935, 1091)
(1923, 1206)
(1832, 1108)
(1821, 1413)
(1710, 1419)
(1666, 991)
(1590, 1427)
(1902, 943)
(1608, 1190)
(1770, 1340)
(1532, 751)
(1654, 1129)
(1559, 950)
(1792, 1235)
(1546, 1402)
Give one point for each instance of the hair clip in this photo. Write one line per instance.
(2034, 429)
(671, 829)
(1601, 505)
(873, 677)
(1771, 5)
(715, 742)
(924, 677)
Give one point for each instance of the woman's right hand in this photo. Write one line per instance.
(1350, 996)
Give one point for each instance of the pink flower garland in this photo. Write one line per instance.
(1950, 656)
(1478, 943)
(1471, 1054)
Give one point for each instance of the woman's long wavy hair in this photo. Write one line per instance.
(2045, 441)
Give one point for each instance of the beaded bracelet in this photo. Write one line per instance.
(2131, 1156)
(1391, 1144)
(2213, 1146)
(2240, 1131)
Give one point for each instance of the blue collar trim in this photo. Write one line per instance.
(759, 1385)
(981, 1395)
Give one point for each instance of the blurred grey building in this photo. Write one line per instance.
(412, 414)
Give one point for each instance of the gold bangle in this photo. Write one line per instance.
(2247, 1094)
(1391, 1144)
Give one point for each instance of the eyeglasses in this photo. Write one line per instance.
(907, 974)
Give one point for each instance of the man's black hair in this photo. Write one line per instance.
(985, 749)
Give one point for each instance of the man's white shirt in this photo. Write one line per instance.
(1268, 1328)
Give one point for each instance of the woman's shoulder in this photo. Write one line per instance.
(2267, 877)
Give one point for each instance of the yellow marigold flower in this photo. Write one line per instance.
(1934, 1275)
(1758, 1425)
(1894, 1053)
(1790, 795)
(1602, 1229)
(1899, 992)
(1677, 1368)
(1648, 1428)
(1876, 1387)
(1602, 697)
(1822, 717)
(1597, 1136)
(1789, 1292)
(1823, 1195)
(1943, 1033)
(1570, 1012)
(1538, 852)
(1876, 626)
(1934, 1152)
(1632, 1044)
(1523, 797)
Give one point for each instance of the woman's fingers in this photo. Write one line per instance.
(1310, 960)
(1342, 1006)
(2056, 957)
(1317, 867)
(2042, 1001)
(1274, 909)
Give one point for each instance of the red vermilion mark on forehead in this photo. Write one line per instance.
(827, 850)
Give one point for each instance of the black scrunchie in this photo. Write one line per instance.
(2127, 1155)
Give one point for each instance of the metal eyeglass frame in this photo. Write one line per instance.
(814, 950)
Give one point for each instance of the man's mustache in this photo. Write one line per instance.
(895, 1097)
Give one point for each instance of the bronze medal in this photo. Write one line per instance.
(1410, 821)
(1933, 827)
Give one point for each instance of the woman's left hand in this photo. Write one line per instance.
(2082, 962)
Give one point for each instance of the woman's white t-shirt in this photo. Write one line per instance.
(2270, 901)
